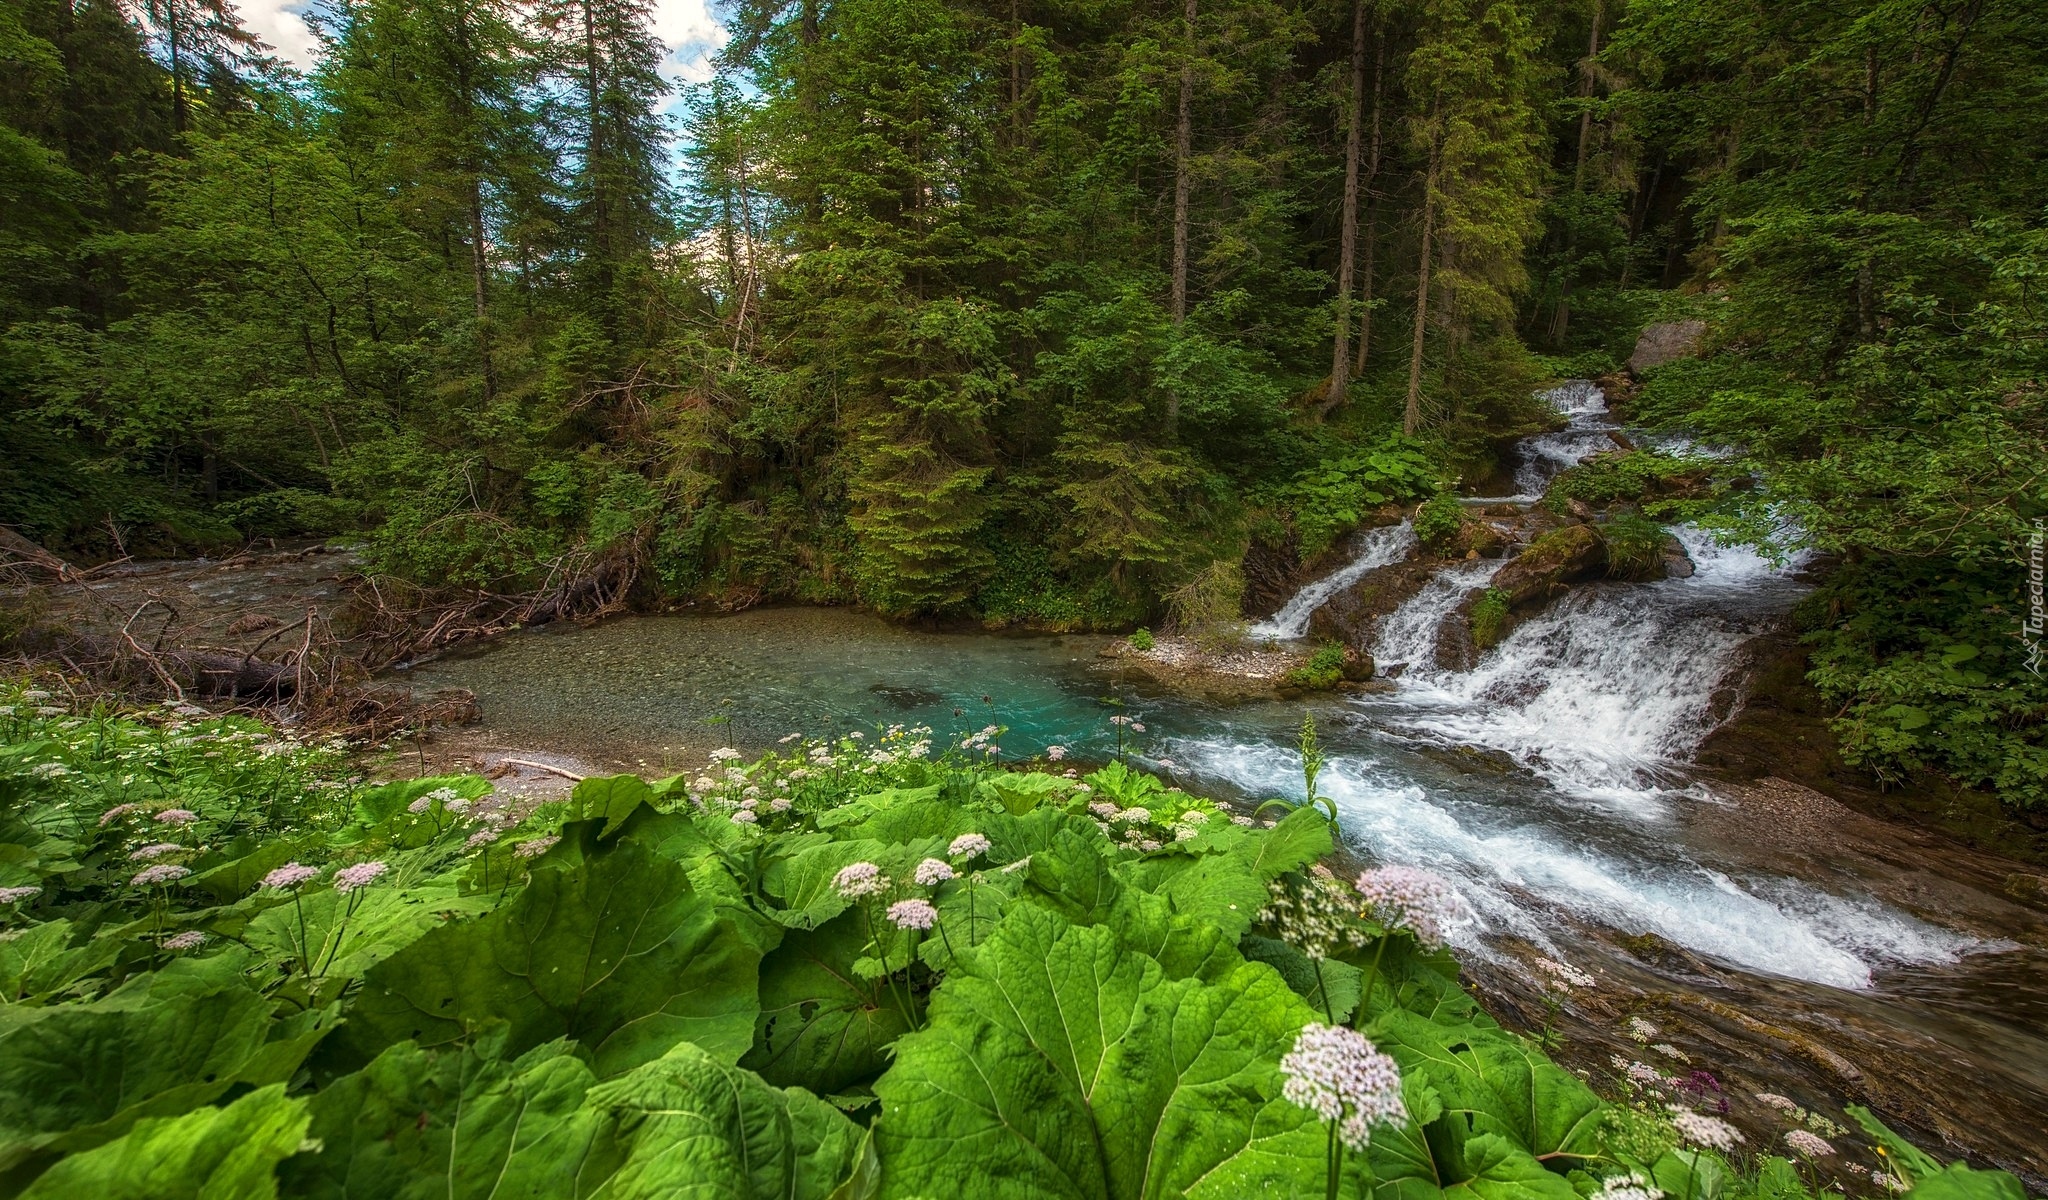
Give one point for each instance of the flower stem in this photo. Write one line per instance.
(1359, 1019)
(1332, 1164)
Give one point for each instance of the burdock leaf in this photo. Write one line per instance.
(1059, 1062)
(822, 1025)
(618, 952)
(213, 1152)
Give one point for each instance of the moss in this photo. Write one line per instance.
(1489, 619)
(1626, 475)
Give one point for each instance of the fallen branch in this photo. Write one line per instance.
(541, 766)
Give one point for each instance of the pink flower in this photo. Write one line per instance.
(153, 850)
(1339, 1075)
(159, 874)
(15, 895)
(915, 913)
(117, 812)
(191, 939)
(362, 875)
(1698, 1129)
(746, 816)
(177, 816)
(969, 846)
(1055, 753)
(1422, 902)
(537, 846)
(289, 876)
(1810, 1145)
(856, 880)
(932, 872)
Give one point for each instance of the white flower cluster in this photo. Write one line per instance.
(1339, 1075)
(1422, 902)
(1313, 915)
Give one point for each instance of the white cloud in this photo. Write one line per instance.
(279, 24)
(692, 36)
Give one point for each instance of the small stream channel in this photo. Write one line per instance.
(1777, 940)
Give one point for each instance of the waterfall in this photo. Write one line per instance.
(1379, 548)
(1606, 693)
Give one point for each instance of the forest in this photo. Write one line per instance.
(1038, 314)
(964, 385)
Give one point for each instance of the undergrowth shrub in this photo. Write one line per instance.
(1439, 519)
(1322, 670)
(1489, 618)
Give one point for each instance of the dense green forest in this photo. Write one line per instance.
(1038, 311)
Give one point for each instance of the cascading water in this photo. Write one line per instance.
(1602, 698)
(1379, 548)
(1607, 693)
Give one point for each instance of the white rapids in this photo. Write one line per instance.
(1603, 698)
(1379, 548)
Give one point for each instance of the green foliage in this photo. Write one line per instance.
(1140, 640)
(1635, 546)
(1632, 475)
(1333, 497)
(1322, 670)
(1489, 618)
(659, 989)
(1439, 519)
(1921, 663)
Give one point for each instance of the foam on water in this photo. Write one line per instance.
(1379, 548)
(1510, 866)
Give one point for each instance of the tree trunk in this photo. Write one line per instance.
(479, 271)
(1183, 151)
(1347, 240)
(1372, 209)
(1560, 317)
(1411, 417)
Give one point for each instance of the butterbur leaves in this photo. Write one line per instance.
(617, 951)
(460, 1124)
(209, 1154)
(85, 1074)
(694, 1127)
(1061, 1063)
(470, 1124)
(822, 1025)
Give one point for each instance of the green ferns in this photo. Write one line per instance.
(852, 969)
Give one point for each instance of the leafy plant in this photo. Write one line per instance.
(1489, 618)
(1322, 670)
(1439, 519)
(1141, 640)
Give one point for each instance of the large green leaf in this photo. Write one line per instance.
(344, 944)
(696, 1127)
(40, 960)
(611, 798)
(620, 954)
(1492, 1082)
(84, 1074)
(212, 1154)
(461, 1124)
(822, 1026)
(1300, 838)
(1061, 1063)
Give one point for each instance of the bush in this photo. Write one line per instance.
(1332, 498)
(1439, 519)
(1323, 670)
(1633, 475)
(1635, 546)
(1142, 640)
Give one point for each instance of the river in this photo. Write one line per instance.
(1779, 942)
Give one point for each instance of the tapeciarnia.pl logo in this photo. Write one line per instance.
(2037, 598)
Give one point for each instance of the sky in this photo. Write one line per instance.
(685, 26)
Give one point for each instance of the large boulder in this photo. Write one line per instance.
(1562, 556)
(1666, 342)
(1350, 616)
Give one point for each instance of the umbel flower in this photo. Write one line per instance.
(858, 880)
(362, 875)
(15, 895)
(1631, 1186)
(290, 876)
(1339, 1075)
(1422, 902)
(932, 872)
(191, 939)
(1313, 915)
(159, 874)
(915, 913)
(1710, 1133)
(1808, 1144)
